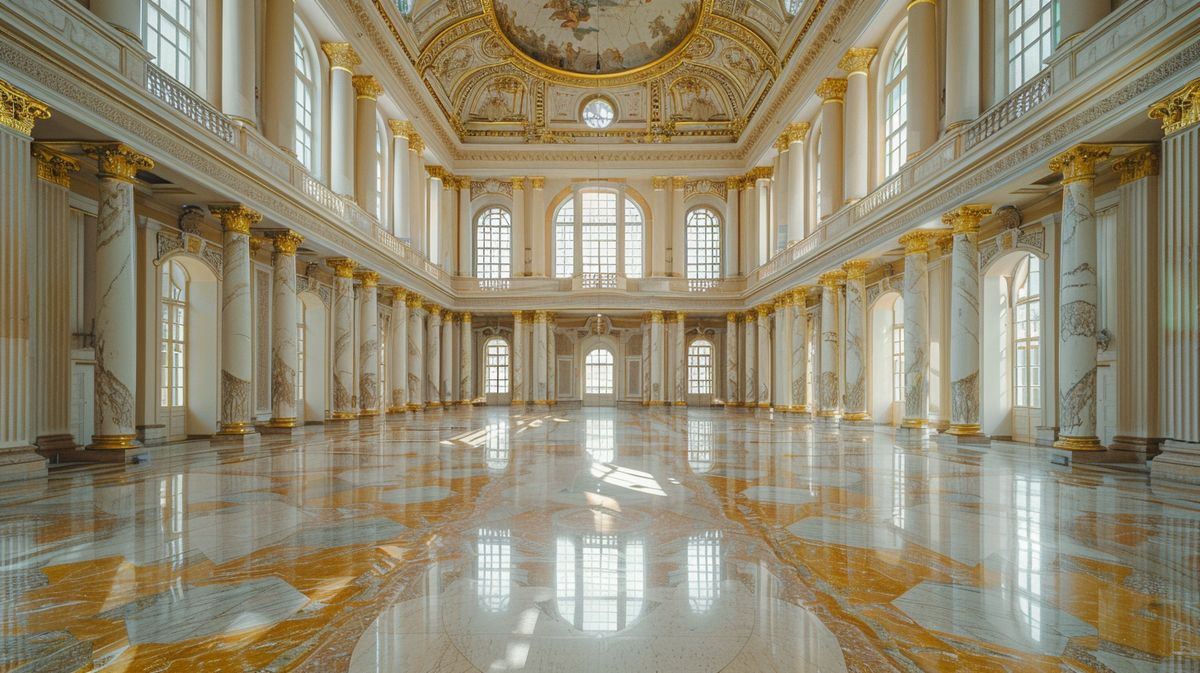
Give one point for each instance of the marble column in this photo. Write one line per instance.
(779, 185)
(398, 352)
(284, 336)
(964, 319)
(857, 153)
(916, 325)
(731, 360)
(657, 389)
(645, 362)
(540, 352)
(833, 94)
(366, 158)
(433, 344)
(963, 72)
(680, 349)
(466, 360)
(1078, 298)
(518, 358)
(127, 16)
(540, 257)
(18, 114)
(239, 61)
(799, 354)
(782, 354)
(416, 352)
(830, 384)
(748, 225)
(678, 244)
(750, 396)
(368, 345)
(762, 187)
(924, 91)
(342, 60)
(794, 196)
(449, 376)
(50, 321)
(854, 386)
(279, 74)
(237, 320)
(518, 226)
(551, 361)
(1179, 285)
(730, 237)
(343, 335)
(763, 350)
(401, 198)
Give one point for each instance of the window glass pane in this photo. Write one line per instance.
(564, 240)
(1031, 28)
(493, 244)
(703, 236)
(895, 146)
(700, 368)
(633, 240)
(599, 231)
(168, 38)
(305, 93)
(496, 363)
(598, 372)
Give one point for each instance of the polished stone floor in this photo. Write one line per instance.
(598, 540)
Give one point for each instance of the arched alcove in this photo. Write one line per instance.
(197, 415)
(314, 384)
(1002, 414)
(886, 404)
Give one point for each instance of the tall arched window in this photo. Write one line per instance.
(594, 217)
(703, 235)
(306, 94)
(598, 372)
(633, 239)
(564, 240)
(1032, 28)
(172, 380)
(599, 232)
(898, 351)
(700, 367)
(1027, 323)
(895, 95)
(495, 366)
(493, 244)
(816, 158)
(168, 37)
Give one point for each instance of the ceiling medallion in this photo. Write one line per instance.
(556, 40)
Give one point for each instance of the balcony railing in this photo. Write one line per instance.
(167, 89)
(1016, 105)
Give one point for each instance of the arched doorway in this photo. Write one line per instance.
(700, 372)
(887, 359)
(187, 383)
(599, 379)
(1012, 371)
(312, 344)
(497, 366)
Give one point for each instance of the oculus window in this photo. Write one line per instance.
(598, 114)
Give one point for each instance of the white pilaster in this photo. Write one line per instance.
(518, 226)
(366, 132)
(680, 352)
(449, 373)
(923, 88)
(540, 352)
(539, 240)
(794, 195)
(401, 182)
(730, 237)
(519, 358)
(750, 342)
(656, 358)
(799, 354)
(239, 61)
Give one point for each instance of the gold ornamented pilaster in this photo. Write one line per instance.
(368, 278)
(733, 183)
(518, 182)
(832, 279)
(659, 182)
(832, 90)
(117, 160)
(680, 316)
(236, 218)
(796, 132)
(414, 300)
(781, 143)
(800, 294)
(256, 244)
(434, 310)
(399, 294)
(764, 310)
(437, 172)
(537, 182)
(856, 268)
(341, 55)
(731, 317)
(678, 182)
(1180, 109)
(539, 316)
(466, 317)
(1079, 162)
(18, 110)
(518, 316)
(53, 166)
(1137, 165)
(966, 219)
(366, 86)
(400, 128)
(342, 266)
(656, 316)
(920, 240)
(415, 144)
(287, 242)
(857, 59)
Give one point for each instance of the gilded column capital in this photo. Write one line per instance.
(518, 182)
(733, 183)
(18, 110)
(366, 86)
(54, 166)
(537, 182)
(781, 143)
(117, 160)
(832, 279)
(287, 242)
(800, 294)
(678, 182)
(447, 317)
(434, 311)
(832, 89)
(466, 317)
(764, 310)
(415, 144)
(857, 60)
(797, 132)
(400, 128)
(919, 240)
(659, 182)
(341, 55)
(398, 293)
(256, 244)
(749, 317)
(539, 316)
(1137, 165)
(368, 278)
(761, 173)
(680, 316)
(656, 316)
(1079, 162)
(966, 219)
(236, 218)
(1180, 109)
(731, 317)
(856, 268)
(518, 316)
(413, 300)
(436, 172)
(342, 267)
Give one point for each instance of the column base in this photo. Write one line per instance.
(763, 405)
(1179, 461)
(22, 462)
(915, 424)
(964, 429)
(435, 405)
(397, 409)
(55, 442)
(414, 406)
(1069, 443)
(280, 423)
(236, 434)
(656, 403)
(517, 403)
(236, 429)
(284, 430)
(679, 404)
(368, 413)
(857, 417)
(950, 438)
(152, 435)
(341, 416)
(828, 413)
(114, 443)
(1142, 448)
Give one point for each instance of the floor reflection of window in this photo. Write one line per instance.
(1027, 505)
(700, 449)
(493, 576)
(704, 570)
(598, 439)
(898, 486)
(601, 581)
(496, 445)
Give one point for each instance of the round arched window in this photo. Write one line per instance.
(598, 114)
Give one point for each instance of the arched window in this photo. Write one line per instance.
(703, 234)
(1032, 28)
(564, 240)
(1027, 323)
(633, 239)
(599, 232)
(168, 37)
(593, 215)
(898, 351)
(493, 244)
(700, 367)
(172, 380)
(598, 372)
(895, 94)
(495, 366)
(306, 93)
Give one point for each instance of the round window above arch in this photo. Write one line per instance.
(598, 114)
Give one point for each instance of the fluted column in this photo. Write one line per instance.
(830, 384)
(466, 360)
(857, 150)
(237, 319)
(239, 61)
(1078, 299)
(782, 355)
(366, 164)
(343, 335)
(923, 89)
(794, 196)
(540, 370)
(962, 62)
(368, 345)
(656, 358)
(50, 321)
(519, 358)
(284, 337)
(680, 349)
(416, 352)
(433, 345)
(127, 16)
(398, 352)
(731, 359)
(854, 387)
(342, 60)
(449, 375)
(916, 326)
(964, 319)
(833, 94)
(518, 226)
(401, 198)
(279, 74)
(730, 237)
(750, 382)
(799, 355)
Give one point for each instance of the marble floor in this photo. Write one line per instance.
(598, 540)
